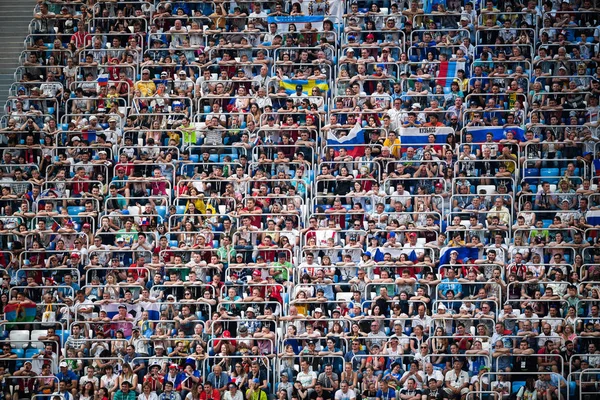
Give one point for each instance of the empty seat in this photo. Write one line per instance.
(64, 335)
(75, 210)
(347, 296)
(29, 353)
(532, 175)
(19, 338)
(550, 175)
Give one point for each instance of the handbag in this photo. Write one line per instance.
(49, 315)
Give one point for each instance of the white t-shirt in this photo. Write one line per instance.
(419, 384)
(349, 395)
(455, 380)
(306, 378)
(153, 396)
(107, 382)
(84, 379)
(437, 375)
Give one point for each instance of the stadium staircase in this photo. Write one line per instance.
(15, 16)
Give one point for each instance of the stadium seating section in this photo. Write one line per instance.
(302, 200)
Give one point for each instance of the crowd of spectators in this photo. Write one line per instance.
(176, 215)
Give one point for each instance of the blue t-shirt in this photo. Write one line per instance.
(66, 377)
(390, 394)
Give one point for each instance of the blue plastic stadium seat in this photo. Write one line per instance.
(20, 354)
(517, 385)
(531, 175)
(547, 222)
(550, 175)
(194, 158)
(161, 211)
(64, 335)
(532, 172)
(31, 352)
(75, 210)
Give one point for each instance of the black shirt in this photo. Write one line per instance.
(325, 395)
(433, 394)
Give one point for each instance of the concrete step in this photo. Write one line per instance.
(8, 14)
(15, 19)
(19, 21)
(6, 80)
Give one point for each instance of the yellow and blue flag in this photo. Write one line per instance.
(307, 85)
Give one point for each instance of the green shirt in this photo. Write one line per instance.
(129, 237)
(282, 270)
(224, 255)
(189, 134)
(119, 395)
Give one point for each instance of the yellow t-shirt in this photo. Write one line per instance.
(394, 146)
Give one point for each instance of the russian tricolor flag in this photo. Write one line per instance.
(103, 79)
(353, 142)
(153, 309)
(447, 72)
(419, 136)
(480, 132)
